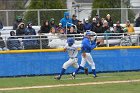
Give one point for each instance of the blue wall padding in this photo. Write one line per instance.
(51, 62)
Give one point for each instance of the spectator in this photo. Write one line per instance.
(30, 42)
(13, 43)
(105, 27)
(80, 27)
(66, 21)
(102, 21)
(52, 34)
(97, 18)
(74, 20)
(21, 29)
(71, 31)
(1, 25)
(138, 21)
(109, 20)
(87, 25)
(52, 23)
(61, 31)
(98, 28)
(29, 30)
(129, 27)
(59, 27)
(2, 44)
(45, 28)
(93, 25)
(18, 21)
(118, 28)
(43, 41)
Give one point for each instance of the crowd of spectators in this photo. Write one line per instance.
(68, 25)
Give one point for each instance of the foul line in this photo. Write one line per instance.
(66, 85)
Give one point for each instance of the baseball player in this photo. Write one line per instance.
(72, 50)
(88, 44)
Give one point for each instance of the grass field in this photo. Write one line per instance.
(82, 84)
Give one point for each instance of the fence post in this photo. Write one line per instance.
(98, 11)
(7, 18)
(38, 17)
(126, 14)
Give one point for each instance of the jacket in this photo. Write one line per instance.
(66, 21)
(88, 45)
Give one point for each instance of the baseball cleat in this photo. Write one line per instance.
(95, 76)
(73, 76)
(86, 71)
(57, 77)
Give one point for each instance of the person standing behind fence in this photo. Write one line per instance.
(66, 20)
(17, 22)
(29, 29)
(45, 28)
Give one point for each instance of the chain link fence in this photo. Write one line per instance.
(37, 16)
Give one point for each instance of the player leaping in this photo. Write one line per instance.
(72, 50)
(88, 44)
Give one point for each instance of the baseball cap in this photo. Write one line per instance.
(79, 21)
(74, 15)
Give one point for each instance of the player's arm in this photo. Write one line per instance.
(65, 48)
(84, 54)
(90, 45)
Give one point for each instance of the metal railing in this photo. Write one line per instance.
(59, 41)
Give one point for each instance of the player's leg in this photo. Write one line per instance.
(92, 64)
(75, 65)
(64, 67)
(83, 62)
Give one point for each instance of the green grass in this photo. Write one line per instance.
(133, 87)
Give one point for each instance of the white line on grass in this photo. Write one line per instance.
(87, 77)
(66, 85)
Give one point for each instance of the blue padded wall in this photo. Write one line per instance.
(51, 62)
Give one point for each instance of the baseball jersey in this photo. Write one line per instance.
(72, 50)
(87, 45)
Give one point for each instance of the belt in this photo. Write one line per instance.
(73, 57)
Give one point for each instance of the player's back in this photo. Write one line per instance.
(72, 50)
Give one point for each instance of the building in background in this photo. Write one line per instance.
(81, 8)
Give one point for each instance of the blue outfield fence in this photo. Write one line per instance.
(40, 63)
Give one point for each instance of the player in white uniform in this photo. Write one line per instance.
(72, 50)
